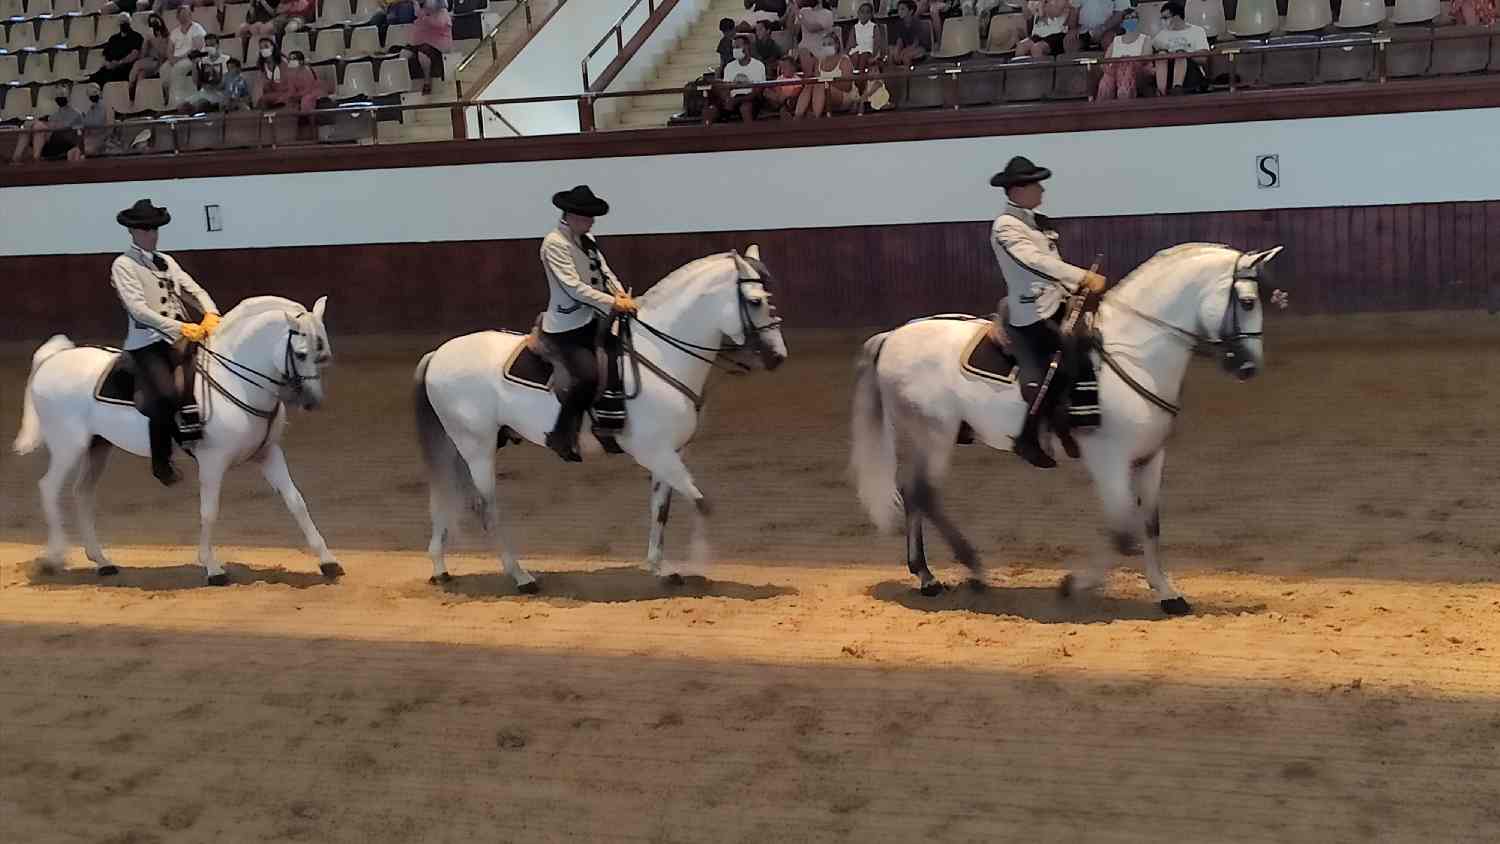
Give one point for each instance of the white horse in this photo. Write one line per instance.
(910, 385)
(266, 351)
(465, 405)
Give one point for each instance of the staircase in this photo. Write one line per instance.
(685, 60)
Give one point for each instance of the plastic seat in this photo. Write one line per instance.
(38, 8)
(362, 10)
(207, 17)
(395, 77)
(1208, 14)
(117, 96)
(1005, 32)
(52, 33)
(1346, 63)
(93, 59)
(333, 13)
(296, 42)
(1307, 15)
(1461, 55)
(67, 7)
(400, 35)
(1415, 11)
(23, 36)
(150, 95)
(363, 41)
(1027, 79)
(93, 7)
(359, 81)
(18, 105)
(960, 38)
(328, 45)
(1354, 14)
(1409, 53)
(65, 65)
(1290, 67)
(235, 15)
(12, 9)
(1254, 17)
(10, 68)
(35, 68)
(1071, 81)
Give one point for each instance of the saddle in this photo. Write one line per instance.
(537, 365)
(120, 384)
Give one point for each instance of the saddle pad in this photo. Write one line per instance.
(528, 368)
(117, 383)
(984, 359)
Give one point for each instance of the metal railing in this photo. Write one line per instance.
(618, 31)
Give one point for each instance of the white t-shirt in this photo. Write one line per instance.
(755, 71)
(1190, 39)
(1042, 27)
(183, 42)
(1119, 49)
(864, 37)
(1093, 14)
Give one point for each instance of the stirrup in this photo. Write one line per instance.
(189, 424)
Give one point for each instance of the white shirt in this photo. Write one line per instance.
(1190, 39)
(864, 37)
(755, 71)
(1118, 48)
(1042, 27)
(1093, 14)
(186, 42)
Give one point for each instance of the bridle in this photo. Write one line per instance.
(289, 386)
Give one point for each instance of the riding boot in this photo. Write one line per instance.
(1028, 448)
(563, 439)
(161, 452)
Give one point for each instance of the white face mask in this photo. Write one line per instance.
(739, 53)
(265, 52)
(293, 63)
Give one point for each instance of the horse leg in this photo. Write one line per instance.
(921, 496)
(916, 552)
(482, 470)
(273, 467)
(211, 469)
(1148, 485)
(62, 457)
(667, 467)
(84, 489)
(1117, 495)
(661, 510)
(441, 520)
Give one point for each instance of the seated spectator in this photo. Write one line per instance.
(1472, 12)
(120, 52)
(54, 137)
(1050, 21)
(295, 85)
(866, 40)
(911, 39)
(155, 51)
(814, 24)
(431, 37)
(217, 83)
(208, 64)
(270, 69)
(933, 10)
(98, 121)
(187, 39)
(290, 16)
(785, 96)
(393, 12)
(1119, 79)
(772, 12)
(694, 100)
(765, 48)
(1096, 22)
(834, 90)
(259, 20)
(743, 68)
(726, 42)
(1179, 36)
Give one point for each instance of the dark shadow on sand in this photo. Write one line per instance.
(1044, 605)
(174, 578)
(618, 584)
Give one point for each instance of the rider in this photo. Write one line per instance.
(152, 288)
(583, 289)
(1037, 281)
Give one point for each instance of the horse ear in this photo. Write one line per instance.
(747, 272)
(1258, 258)
(319, 307)
(753, 252)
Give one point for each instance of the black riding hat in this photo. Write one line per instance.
(1020, 171)
(143, 215)
(580, 201)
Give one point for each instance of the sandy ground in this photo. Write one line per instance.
(1333, 523)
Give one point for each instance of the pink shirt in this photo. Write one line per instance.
(434, 29)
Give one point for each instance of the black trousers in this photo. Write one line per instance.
(1034, 345)
(577, 348)
(155, 367)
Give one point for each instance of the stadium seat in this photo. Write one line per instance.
(83, 30)
(117, 96)
(400, 35)
(93, 7)
(35, 68)
(359, 81)
(1346, 63)
(10, 68)
(1307, 16)
(23, 36)
(1461, 55)
(18, 105)
(1354, 14)
(150, 95)
(65, 65)
(960, 38)
(363, 41)
(234, 17)
(52, 33)
(294, 42)
(1253, 17)
(1208, 14)
(206, 17)
(1415, 11)
(67, 7)
(1290, 67)
(395, 77)
(93, 59)
(328, 74)
(328, 46)
(12, 9)
(1027, 79)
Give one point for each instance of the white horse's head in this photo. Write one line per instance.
(308, 353)
(1241, 315)
(751, 320)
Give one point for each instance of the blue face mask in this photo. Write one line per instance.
(1129, 25)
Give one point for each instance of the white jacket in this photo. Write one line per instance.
(154, 298)
(1036, 279)
(578, 287)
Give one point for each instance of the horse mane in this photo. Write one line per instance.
(682, 276)
(256, 305)
(1171, 253)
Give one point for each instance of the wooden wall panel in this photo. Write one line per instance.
(1336, 260)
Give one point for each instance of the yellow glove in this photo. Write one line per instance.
(1094, 282)
(193, 332)
(625, 303)
(210, 323)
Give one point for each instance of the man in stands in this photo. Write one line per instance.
(120, 52)
(1179, 36)
(765, 48)
(158, 295)
(744, 68)
(1037, 281)
(583, 290)
(910, 37)
(1097, 21)
(726, 42)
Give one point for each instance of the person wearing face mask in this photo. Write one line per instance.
(743, 70)
(1119, 79)
(304, 88)
(833, 90)
(54, 137)
(98, 119)
(1178, 36)
(120, 52)
(431, 37)
(155, 51)
(207, 79)
(270, 69)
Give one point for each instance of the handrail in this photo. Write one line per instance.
(633, 46)
(489, 38)
(618, 31)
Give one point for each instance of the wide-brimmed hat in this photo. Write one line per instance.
(580, 201)
(1020, 171)
(143, 215)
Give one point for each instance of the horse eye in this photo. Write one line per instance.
(1247, 304)
(302, 356)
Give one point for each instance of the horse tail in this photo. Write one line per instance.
(872, 451)
(30, 435)
(447, 472)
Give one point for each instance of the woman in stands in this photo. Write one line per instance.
(270, 79)
(156, 49)
(866, 40)
(1050, 21)
(1473, 12)
(784, 96)
(1119, 80)
(431, 37)
(816, 24)
(834, 90)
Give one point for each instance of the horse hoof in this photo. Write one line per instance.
(977, 585)
(1065, 586)
(1176, 606)
(528, 588)
(673, 579)
(704, 508)
(218, 580)
(932, 589)
(109, 570)
(331, 569)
